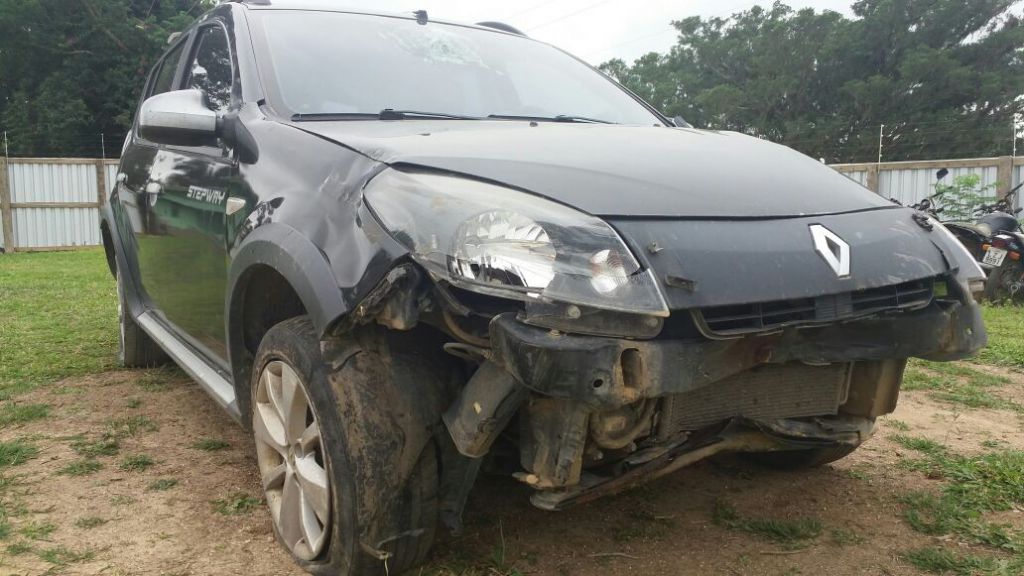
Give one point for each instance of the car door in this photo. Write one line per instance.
(180, 195)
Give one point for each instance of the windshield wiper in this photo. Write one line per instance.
(385, 114)
(392, 114)
(559, 118)
(314, 116)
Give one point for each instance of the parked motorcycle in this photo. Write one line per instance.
(1004, 252)
(995, 239)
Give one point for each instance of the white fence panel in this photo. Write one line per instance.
(33, 182)
(56, 227)
(913, 185)
(54, 203)
(858, 176)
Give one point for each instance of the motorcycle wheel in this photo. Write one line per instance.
(1005, 285)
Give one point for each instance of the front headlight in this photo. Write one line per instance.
(502, 242)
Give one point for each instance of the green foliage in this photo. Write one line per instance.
(942, 76)
(72, 70)
(960, 198)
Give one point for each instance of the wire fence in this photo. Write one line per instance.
(96, 145)
(987, 136)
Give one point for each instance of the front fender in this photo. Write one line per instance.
(299, 261)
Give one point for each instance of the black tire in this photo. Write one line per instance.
(135, 348)
(382, 472)
(800, 459)
(997, 289)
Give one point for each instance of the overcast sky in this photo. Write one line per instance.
(595, 30)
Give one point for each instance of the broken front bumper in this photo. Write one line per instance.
(581, 400)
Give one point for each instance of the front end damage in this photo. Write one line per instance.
(600, 354)
(587, 416)
(596, 415)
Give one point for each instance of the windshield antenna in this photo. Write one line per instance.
(421, 17)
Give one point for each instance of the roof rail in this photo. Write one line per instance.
(502, 26)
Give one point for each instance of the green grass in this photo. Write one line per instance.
(973, 486)
(958, 384)
(19, 548)
(105, 445)
(62, 556)
(14, 413)
(1005, 325)
(130, 426)
(81, 468)
(136, 463)
(162, 484)
(58, 318)
(943, 561)
(16, 452)
(211, 445)
(90, 522)
(789, 533)
(923, 445)
(236, 503)
(157, 379)
(37, 531)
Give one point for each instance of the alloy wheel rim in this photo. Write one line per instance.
(292, 463)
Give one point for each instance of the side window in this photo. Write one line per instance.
(210, 68)
(165, 76)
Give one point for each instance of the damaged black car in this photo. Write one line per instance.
(400, 250)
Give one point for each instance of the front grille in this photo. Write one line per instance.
(767, 316)
(764, 393)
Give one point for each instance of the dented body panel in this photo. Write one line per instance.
(793, 296)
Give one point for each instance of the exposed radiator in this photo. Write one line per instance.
(763, 393)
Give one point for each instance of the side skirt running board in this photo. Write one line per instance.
(209, 379)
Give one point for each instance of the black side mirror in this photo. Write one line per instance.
(942, 173)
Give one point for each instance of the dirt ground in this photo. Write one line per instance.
(203, 519)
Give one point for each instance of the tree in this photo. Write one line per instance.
(943, 76)
(72, 69)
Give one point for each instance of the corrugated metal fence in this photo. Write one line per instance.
(910, 182)
(52, 203)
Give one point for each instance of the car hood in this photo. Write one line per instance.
(612, 170)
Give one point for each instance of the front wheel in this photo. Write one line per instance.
(1005, 284)
(349, 492)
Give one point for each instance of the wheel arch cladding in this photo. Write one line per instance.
(277, 255)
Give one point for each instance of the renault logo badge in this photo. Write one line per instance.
(832, 248)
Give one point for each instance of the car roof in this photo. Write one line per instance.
(341, 7)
